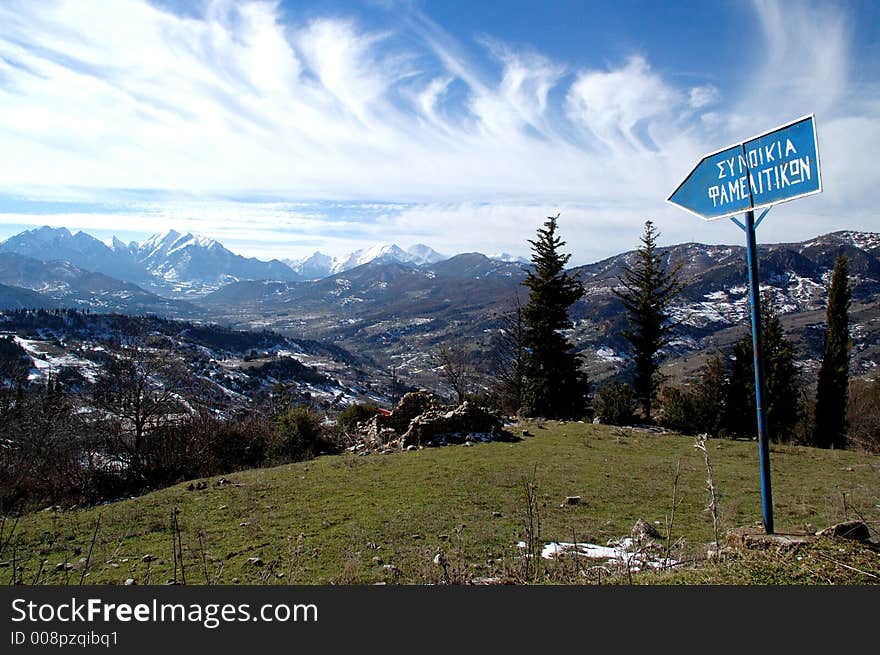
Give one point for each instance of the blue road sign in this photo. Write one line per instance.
(773, 167)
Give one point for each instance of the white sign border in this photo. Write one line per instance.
(740, 144)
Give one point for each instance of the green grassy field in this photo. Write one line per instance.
(340, 519)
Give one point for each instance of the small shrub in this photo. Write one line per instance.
(298, 434)
(235, 444)
(615, 404)
(679, 410)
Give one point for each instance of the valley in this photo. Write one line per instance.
(393, 307)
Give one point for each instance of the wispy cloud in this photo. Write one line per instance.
(242, 99)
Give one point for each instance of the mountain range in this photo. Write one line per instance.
(187, 265)
(395, 306)
(320, 265)
(171, 264)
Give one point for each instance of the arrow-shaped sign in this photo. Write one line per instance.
(773, 167)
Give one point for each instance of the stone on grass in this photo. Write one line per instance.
(644, 530)
(855, 530)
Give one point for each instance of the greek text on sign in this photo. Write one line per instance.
(774, 167)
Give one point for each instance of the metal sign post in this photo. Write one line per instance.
(765, 170)
(760, 387)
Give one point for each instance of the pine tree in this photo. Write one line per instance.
(709, 398)
(739, 419)
(831, 390)
(648, 291)
(781, 379)
(553, 385)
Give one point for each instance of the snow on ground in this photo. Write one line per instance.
(624, 552)
(45, 364)
(608, 355)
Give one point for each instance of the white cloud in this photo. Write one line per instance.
(703, 96)
(612, 104)
(122, 95)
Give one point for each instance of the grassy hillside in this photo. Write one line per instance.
(325, 521)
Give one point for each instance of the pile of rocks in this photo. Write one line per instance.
(421, 420)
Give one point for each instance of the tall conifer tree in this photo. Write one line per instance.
(553, 385)
(648, 291)
(831, 390)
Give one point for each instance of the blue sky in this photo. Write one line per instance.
(282, 128)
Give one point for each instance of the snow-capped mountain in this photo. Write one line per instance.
(421, 254)
(80, 249)
(311, 268)
(171, 263)
(386, 253)
(197, 263)
(507, 257)
(320, 265)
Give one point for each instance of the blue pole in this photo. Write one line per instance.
(763, 438)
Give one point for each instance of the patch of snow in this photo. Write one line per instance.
(623, 552)
(607, 354)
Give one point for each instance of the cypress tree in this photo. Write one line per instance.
(648, 291)
(553, 384)
(831, 390)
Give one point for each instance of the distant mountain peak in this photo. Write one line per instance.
(44, 234)
(507, 257)
(423, 254)
(415, 255)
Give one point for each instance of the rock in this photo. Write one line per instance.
(377, 561)
(420, 420)
(148, 558)
(754, 538)
(129, 582)
(235, 580)
(642, 530)
(255, 561)
(486, 581)
(416, 536)
(392, 570)
(63, 566)
(496, 514)
(443, 537)
(454, 426)
(856, 530)
(572, 500)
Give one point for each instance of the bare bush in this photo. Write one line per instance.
(863, 412)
